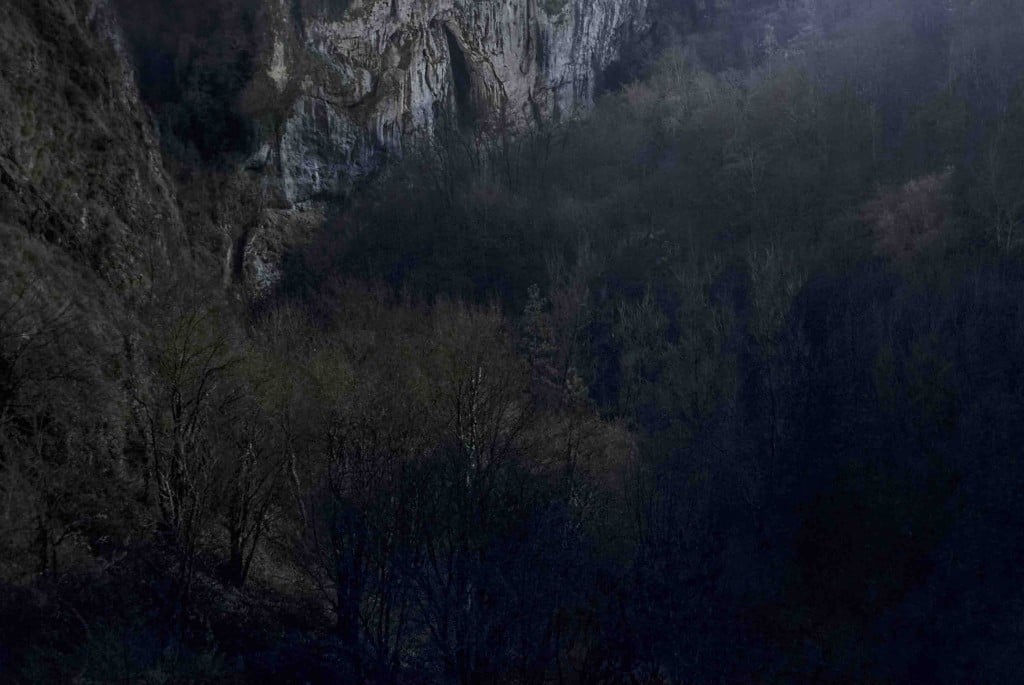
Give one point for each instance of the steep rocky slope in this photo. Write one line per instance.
(321, 92)
(300, 99)
(89, 228)
(80, 171)
(305, 96)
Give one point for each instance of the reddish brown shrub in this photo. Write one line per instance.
(907, 220)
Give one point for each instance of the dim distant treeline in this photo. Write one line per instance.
(721, 384)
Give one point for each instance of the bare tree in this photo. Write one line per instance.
(183, 409)
(52, 404)
(357, 485)
(481, 410)
(251, 467)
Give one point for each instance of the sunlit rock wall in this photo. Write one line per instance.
(356, 80)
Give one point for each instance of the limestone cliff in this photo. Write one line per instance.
(354, 80)
(308, 96)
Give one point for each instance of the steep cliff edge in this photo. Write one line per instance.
(306, 96)
(89, 229)
(81, 175)
(369, 74)
(321, 92)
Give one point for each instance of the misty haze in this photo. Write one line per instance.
(525, 342)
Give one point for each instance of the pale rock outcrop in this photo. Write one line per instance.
(358, 79)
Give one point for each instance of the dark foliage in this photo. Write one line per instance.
(721, 384)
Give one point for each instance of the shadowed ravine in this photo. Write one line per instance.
(511, 341)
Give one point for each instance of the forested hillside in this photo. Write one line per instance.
(722, 382)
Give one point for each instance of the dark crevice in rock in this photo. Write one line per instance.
(238, 256)
(462, 82)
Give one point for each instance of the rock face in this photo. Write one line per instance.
(80, 170)
(356, 79)
(307, 96)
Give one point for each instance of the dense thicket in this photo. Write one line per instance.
(722, 384)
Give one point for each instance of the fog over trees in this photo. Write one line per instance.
(720, 382)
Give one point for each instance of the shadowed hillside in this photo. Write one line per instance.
(719, 382)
